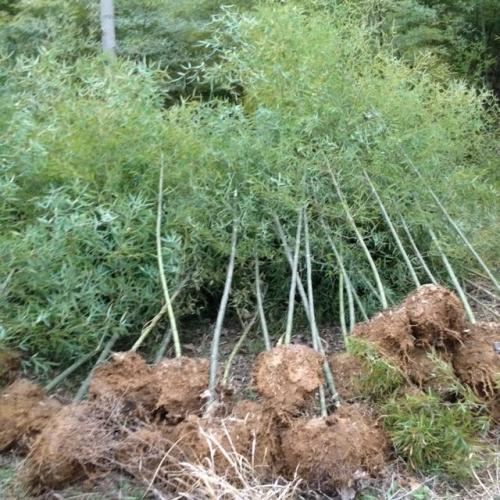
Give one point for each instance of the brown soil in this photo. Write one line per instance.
(288, 375)
(25, 409)
(348, 371)
(182, 383)
(390, 332)
(128, 379)
(10, 364)
(436, 316)
(333, 452)
(476, 363)
(69, 448)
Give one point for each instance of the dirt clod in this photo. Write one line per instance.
(69, 448)
(288, 375)
(476, 363)
(181, 383)
(333, 452)
(348, 371)
(10, 364)
(25, 409)
(390, 332)
(126, 378)
(436, 316)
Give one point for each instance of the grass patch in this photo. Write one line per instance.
(435, 437)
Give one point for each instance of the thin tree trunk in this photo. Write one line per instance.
(108, 28)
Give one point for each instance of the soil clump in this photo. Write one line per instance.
(10, 364)
(348, 373)
(25, 409)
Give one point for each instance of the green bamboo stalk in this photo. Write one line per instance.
(343, 327)
(420, 257)
(237, 347)
(163, 279)
(380, 286)
(350, 289)
(165, 341)
(214, 357)
(454, 224)
(66, 373)
(394, 233)
(453, 276)
(314, 327)
(293, 284)
(82, 391)
(260, 307)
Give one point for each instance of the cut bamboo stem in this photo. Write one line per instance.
(454, 224)
(214, 356)
(237, 347)
(419, 255)
(314, 327)
(453, 277)
(293, 284)
(163, 279)
(394, 233)
(260, 307)
(82, 391)
(361, 241)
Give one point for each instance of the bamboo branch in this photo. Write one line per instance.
(293, 284)
(341, 308)
(453, 276)
(361, 241)
(214, 357)
(389, 223)
(420, 257)
(260, 307)
(163, 279)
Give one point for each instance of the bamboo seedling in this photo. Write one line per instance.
(350, 218)
(314, 326)
(305, 300)
(293, 284)
(236, 348)
(394, 233)
(453, 277)
(260, 307)
(214, 356)
(455, 226)
(420, 257)
(82, 391)
(163, 279)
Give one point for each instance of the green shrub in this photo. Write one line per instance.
(434, 436)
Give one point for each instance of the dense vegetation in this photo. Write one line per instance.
(249, 109)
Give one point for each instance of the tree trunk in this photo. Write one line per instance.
(108, 28)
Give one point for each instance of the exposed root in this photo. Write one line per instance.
(288, 375)
(25, 409)
(333, 452)
(71, 447)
